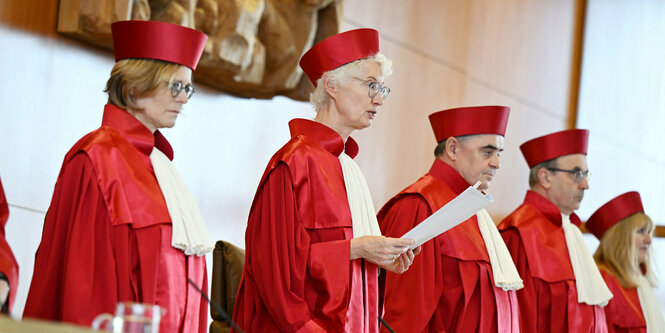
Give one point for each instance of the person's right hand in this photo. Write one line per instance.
(383, 251)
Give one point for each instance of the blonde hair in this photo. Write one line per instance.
(136, 78)
(617, 250)
(340, 76)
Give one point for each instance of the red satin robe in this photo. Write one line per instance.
(8, 264)
(548, 301)
(298, 276)
(107, 235)
(623, 312)
(450, 285)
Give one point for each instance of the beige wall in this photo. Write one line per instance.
(518, 53)
(461, 53)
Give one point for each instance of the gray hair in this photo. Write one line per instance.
(533, 173)
(441, 147)
(340, 76)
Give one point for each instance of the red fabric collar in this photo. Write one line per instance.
(135, 132)
(548, 209)
(324, 136)
(449, 176)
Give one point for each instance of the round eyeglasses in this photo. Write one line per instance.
(579, 174)
(177, 87)
(375, 88)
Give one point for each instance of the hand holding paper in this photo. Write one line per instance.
(458, 210)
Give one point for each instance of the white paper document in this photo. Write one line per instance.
(458, 210)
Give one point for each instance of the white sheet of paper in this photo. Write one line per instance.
(458, 210)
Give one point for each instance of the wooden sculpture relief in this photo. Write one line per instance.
(253, 47)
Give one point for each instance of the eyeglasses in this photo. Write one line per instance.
(577, 173)
(375, 88)
(177, 87)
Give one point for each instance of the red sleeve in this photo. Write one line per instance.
(278, 252)
(8, 264)
(527, 297)
(412, 297)
(74, 278)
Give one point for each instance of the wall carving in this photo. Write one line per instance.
(253, 47)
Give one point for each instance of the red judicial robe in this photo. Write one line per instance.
(8, 264)
(107, 235)
(450, 285)
(298, 276)
(623, 312)
(548, 301)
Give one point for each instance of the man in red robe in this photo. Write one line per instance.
(451, 286)
(563, 290)
(8, 264)
(108, 232)
(306, 268)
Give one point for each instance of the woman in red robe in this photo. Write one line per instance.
(625, 232)
(121, 225)
(313, 243)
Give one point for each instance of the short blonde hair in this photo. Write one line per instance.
(136, 78)
(617, 250)
(340, 76)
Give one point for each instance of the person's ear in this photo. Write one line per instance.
(329, 88)
(452, 148)
(544, 178)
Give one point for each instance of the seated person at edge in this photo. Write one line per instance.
(464, 280)
(624, 260)
(121, 226)
(313, 244)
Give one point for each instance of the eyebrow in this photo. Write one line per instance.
(492, 147)
(371, 78)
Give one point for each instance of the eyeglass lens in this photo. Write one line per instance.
(375, 88)
(177, 87)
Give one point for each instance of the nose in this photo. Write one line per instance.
(182, 97)
(584, 184)
(495, 162)
(378, 99)
(647, 239)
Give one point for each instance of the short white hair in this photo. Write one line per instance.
(340, 76)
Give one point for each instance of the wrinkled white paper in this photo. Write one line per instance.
(458, 210)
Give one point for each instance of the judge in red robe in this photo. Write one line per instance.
(563, 290)
(451, 286)
(113, 230)
(623, 257)
(313, 246)
(8, 264)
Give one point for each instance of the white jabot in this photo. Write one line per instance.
(505, 274)
(591, 288)
(363, 215)
(650, 308)
(189, 231)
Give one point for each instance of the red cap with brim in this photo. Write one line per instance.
(614, 211)
(469, 121)
(339, 50)
(554, 145)
(159, 41)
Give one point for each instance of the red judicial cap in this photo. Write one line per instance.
(614, 211)
(339, 50)
(554, 145)
(158, 40)
(469, 120)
